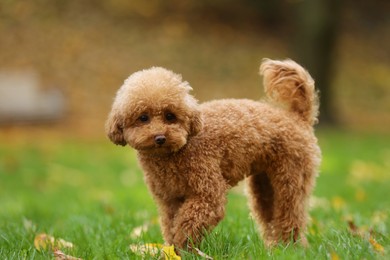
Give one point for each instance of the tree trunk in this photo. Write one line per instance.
(316, 31)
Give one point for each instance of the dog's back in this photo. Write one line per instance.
(247, 134)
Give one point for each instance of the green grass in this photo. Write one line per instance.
(93, 194)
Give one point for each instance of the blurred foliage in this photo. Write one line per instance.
(87, 48)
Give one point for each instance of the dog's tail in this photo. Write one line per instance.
(288, 84)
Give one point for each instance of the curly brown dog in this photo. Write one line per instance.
(192, 154)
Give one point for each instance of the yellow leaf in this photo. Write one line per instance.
(355, 230)
(154, 249)
(169, 253)
(150, 249)
(334, 256)
(43, 241)
(60, 243)
(47, 242)
(377, 247)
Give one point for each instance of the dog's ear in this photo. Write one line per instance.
(196, 123)
(114, 129)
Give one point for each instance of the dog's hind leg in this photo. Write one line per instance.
(278, 203)
(290, 199)
(261, 202)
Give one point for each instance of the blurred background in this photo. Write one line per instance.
(62, 61)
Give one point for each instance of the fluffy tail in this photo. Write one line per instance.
(287, 83)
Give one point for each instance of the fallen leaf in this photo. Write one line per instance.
(356, 231)
(353, 228)
(154, 249)
(47, 242)
(147, 249)
(169, 253)
(43, 241)
(59, 255)
(63, 243)
(200, 253)
(367, 235)
(377, 247)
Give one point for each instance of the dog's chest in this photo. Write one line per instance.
(166, 180)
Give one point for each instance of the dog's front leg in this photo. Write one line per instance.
(168, 210)
(197, 215)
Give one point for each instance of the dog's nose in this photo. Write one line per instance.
(160, 139)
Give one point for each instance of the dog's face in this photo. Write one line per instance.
(153, 112)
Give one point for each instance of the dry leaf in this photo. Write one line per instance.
(354, 229)
(154, 249)
(365, 235)
(377, 247)
(43, 241)
(59, 255)
(47, 242)
(200, 253)
(60, 243)
(147, 249)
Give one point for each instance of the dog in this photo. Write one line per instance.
(192, 154)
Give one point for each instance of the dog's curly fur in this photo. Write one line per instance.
(192, 154)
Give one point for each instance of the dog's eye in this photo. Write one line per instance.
(170, 117)
(143, 118)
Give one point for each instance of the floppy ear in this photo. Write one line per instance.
(114, 129)
(196, 124)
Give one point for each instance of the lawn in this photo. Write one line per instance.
(92, 194)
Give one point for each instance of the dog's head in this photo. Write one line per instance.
(154, 112)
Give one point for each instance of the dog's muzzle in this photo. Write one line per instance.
(160, 139)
